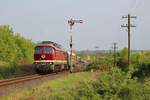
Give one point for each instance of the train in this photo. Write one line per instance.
(52, 57)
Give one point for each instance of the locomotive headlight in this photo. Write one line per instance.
(43, 56)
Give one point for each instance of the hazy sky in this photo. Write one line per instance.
(47, 20)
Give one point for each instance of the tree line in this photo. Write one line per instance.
(14, 47)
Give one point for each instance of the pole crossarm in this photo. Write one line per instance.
(126, 26)
(123, 17)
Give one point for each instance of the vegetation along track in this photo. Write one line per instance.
(23, 79)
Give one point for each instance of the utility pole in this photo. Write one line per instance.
(115, 47)
(71, 22)
(97, 48)
(128, 26)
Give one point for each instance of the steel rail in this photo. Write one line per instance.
(18, 80)
(25, 78)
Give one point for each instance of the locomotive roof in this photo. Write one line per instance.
(52, 44)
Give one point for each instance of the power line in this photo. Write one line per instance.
(136, 5)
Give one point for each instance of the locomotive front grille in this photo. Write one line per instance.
(42, 63)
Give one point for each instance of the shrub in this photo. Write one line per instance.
(93, 65)
(142, 70)
(116, 85)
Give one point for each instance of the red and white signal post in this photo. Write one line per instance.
(71, 22)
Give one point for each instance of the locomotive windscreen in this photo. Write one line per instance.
(39, 50)
(48, 50)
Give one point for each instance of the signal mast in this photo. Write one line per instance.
(71, 22)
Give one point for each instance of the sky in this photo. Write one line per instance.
(40, 20)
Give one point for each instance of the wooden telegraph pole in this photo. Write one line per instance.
(128, 26)
(115, 47)
(71, 22)
(97, 48)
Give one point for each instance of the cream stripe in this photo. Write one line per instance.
(50, 61)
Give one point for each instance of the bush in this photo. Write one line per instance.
(142, 70)
(86, 91)
(93, 65)
(116, 85)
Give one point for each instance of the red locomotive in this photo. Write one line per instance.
(50, 57)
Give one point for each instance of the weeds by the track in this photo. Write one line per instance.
(52, 86)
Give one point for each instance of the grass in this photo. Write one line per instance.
(70, 80)
(11, 70)
(52, 87)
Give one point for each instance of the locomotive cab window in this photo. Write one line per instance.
(48, 50)
(38, 50)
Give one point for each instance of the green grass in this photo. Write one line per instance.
(70, 81)
(11, 70)
(52, 87)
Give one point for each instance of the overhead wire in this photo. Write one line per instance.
(136, 5)
(132, 5)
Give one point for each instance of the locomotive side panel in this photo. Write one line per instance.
(61, 56)
(61, 60)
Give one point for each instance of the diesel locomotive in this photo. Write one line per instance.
(51, 57)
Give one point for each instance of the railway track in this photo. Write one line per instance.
(22, 79)
(18, 80)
